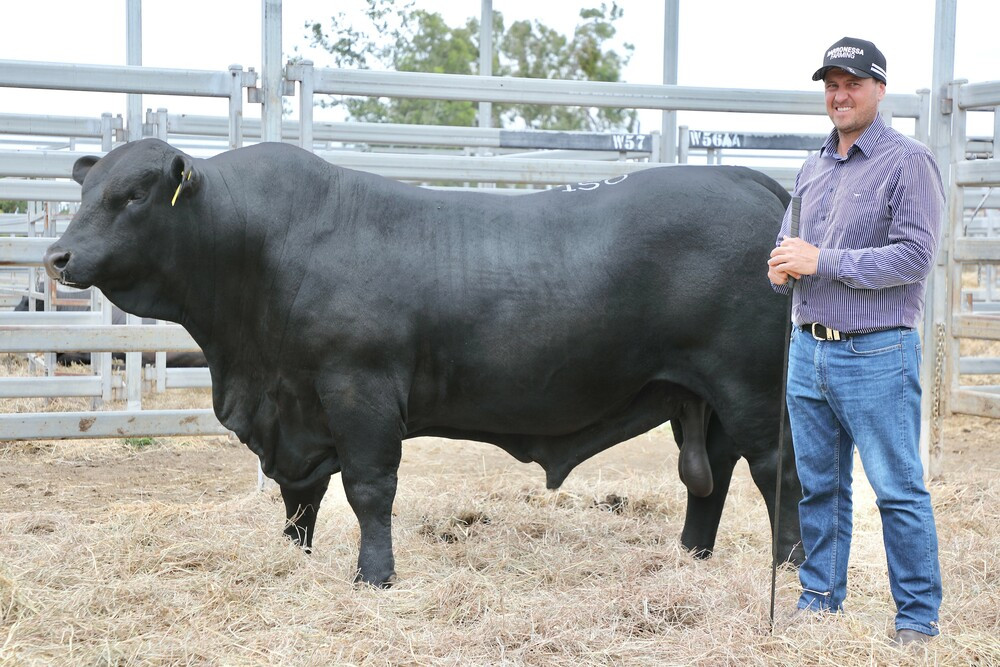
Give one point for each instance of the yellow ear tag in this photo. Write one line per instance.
(178, 191)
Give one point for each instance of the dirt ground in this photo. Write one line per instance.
(163, 552)
(79, 476)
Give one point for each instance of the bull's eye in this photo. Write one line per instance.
(135, 197)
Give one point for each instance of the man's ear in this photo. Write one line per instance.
(183, 175)
(82, 166)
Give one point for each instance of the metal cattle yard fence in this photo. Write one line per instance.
(422, 154)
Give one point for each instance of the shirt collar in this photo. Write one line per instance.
(865, 143)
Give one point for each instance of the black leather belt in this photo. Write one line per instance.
(820, 332)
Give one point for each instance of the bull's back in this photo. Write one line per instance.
(680, 233)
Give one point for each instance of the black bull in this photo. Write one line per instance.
(341, 312)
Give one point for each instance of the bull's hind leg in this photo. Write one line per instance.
(301, 506)
(701, 522)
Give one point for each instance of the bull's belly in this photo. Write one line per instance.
(508, 408)
(559, 435)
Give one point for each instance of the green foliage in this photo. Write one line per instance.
(140, 443)
(531, 49)
(401, 38)
(12, 206)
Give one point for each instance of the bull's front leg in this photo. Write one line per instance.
(369, 478)
(301, 507)
(362, 409)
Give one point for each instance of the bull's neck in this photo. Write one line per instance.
(250, 241)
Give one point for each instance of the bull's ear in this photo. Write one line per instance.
(183, 174)
(82, 166)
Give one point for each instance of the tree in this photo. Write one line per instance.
(12, 206)
(530, 49)
(404, 39)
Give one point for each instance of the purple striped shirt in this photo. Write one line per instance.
(875, 215)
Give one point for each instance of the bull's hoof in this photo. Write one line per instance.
(382, 583)
(701, 553)
(297, 537)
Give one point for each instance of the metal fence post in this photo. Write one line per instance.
(486, 57)
(937, 316)
(921, 129)
(107, 132)
(95, 358)
(683, 144)
(134, 57)
(104, 368)
(306, 104)
(996, 133)
(671, 38)
(236, 106)
(160, 369)
(133, 372)
(158, 122)
(955, 223)
(271, 77)
(41, 211)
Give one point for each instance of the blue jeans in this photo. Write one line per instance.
(863, 392)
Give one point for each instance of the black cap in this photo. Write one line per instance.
(857, 56)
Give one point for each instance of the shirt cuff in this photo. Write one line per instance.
(829, 262)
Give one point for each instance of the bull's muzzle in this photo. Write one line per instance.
(55, 261)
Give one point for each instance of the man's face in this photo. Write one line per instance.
(852, 102)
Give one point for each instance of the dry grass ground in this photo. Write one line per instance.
(163, 553)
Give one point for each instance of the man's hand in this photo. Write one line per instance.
(793, 258)
(777, 277)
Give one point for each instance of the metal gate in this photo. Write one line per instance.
(972, 255)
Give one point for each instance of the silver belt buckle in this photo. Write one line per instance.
(831, 334)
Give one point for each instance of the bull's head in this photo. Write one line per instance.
(120, 230)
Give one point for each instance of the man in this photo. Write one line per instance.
(870, 224)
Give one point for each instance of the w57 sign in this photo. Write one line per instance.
(581, 141)
(630, 142)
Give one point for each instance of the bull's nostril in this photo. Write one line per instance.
(55, 262)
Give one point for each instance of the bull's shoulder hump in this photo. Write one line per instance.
(270, 154)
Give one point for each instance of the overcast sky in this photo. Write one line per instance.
(775, 44)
